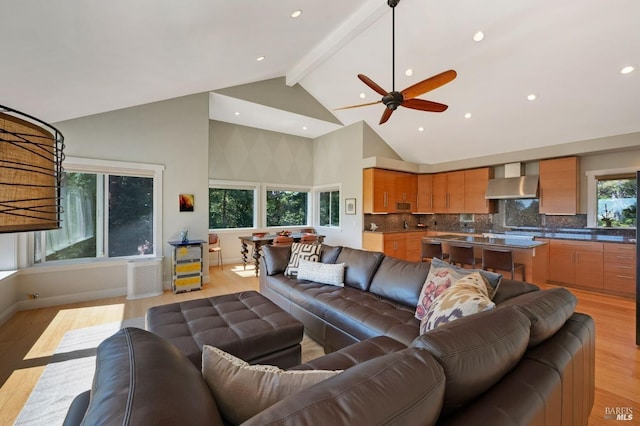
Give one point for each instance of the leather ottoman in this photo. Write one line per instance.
(245, 324)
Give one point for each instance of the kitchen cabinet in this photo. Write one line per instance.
(384, 189)
(620, 268)
(577, 263)
(559, 186)
(425, 194)
(448, 192)
(405, 245)
(475, 189)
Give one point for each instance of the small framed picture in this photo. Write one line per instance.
(186, 202)
(350, 206)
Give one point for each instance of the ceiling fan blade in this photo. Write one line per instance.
(366, 80)
(429, 84)
(423, 105)
(385, 115)
(358, 106)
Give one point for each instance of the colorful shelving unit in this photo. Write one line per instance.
(187, 265)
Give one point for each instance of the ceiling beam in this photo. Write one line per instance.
(353, 26)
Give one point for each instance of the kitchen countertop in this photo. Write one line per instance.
(520, 243)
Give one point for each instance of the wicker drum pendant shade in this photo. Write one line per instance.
(31, 154)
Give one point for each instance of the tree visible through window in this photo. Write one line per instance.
(616, 196)
(287, 208)
(329, 208)
(231, 208)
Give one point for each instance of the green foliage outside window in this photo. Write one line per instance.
(231, 208)
(286, 208)
(616, 201)
(330, 208)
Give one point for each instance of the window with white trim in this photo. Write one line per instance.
(612, 198)
(232, 205)
(328, 210)
(286, 206)
(111, 209)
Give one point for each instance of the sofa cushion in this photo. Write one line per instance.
(477, 351)
(242, 390)
(302, 251)
(361, 266)
(511, 288)
(465, 297)
(141, 378)
(276, 258)
(493, 278)
(324, 273)
(399, 280)
(403, 388)
(547, 310)
(329, 254)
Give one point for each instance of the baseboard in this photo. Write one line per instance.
(46, 302)
(8, 313)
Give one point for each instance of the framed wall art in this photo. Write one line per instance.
(350, 206)
(186, 202)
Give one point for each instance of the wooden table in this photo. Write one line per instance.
(258, 242)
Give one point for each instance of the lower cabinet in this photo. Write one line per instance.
(620, 268)
(403, 245)
(576, 262)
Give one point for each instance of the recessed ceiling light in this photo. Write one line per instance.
(531, 97)
(304, 127)
(362, 95)
(236, 113)
(296, 13)
(467, 115)
(408, 72)
(260, 58)
(479, 36)
(627, 69)
(421, 129)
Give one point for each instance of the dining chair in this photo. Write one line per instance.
(214, 247)
(431, 249)
(500, 260)
(462, 254)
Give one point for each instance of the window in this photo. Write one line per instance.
(616, 201)
(109, 211)
(329, 208)
(231, 207)
(286, 208)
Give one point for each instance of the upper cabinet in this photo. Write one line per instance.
(448, 192)
(559, 186)
(387, 191)
(475, 188)
(425, 194)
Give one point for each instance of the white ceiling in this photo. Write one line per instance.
(71, 58)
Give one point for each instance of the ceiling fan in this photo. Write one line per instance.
(406, 98)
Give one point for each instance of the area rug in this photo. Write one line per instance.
(69, 373)
(71, 370)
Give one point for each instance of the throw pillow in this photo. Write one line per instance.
(302, 251)
(438, 280)
(242, 390)
(465, 297)
(325, 273)
(492, 278)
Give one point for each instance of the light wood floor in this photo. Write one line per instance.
(29, 338)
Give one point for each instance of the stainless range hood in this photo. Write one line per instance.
(513, 185)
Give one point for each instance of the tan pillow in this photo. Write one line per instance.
(242, 390)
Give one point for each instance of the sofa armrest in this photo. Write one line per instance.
(78, 409)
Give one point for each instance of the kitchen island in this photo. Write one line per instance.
(532, 254)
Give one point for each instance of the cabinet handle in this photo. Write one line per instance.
(431, 200)
(628, 277)
(624, 257)
(624, 267)
(384, 198)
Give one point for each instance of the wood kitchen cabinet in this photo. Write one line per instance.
(402, 245)
(425, 194)
(620, 268)
(475, 189)
(577, 263)
(384, 189)
(448, 192)
(559, 186)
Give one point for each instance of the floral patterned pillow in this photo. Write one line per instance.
(469, 295)
(438, 280)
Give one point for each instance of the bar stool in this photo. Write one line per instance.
(462, 255)
(500, 260)
(431, 249)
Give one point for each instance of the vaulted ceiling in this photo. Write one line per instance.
(72, 58)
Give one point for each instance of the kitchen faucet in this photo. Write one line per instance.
(405, 225)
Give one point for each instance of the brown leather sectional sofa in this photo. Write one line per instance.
(530, 361)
